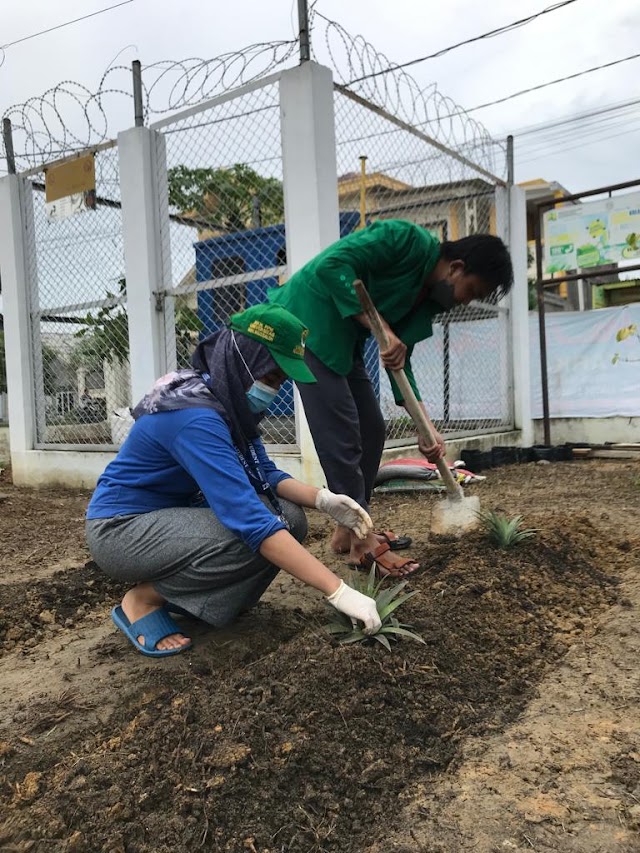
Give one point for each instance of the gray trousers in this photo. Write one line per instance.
(191, 559)
(347, 427)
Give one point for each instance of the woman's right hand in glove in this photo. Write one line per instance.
(356, 605)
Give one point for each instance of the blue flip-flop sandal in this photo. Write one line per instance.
(153, 627)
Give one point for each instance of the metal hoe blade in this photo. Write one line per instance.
(455, 516)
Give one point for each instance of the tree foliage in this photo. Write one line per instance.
(105, 335)
(234, 199)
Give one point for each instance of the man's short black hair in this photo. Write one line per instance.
(485, 256)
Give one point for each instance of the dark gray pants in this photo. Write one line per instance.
(347, 427)
(190, 558)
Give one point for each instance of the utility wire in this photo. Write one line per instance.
(582, 129)
(65, 24)
(577, 125)
(596, 135)
(607, 108)
(578, 133)
(573, 147)
(490, 34)
(542, 86)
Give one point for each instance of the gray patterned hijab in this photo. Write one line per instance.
(222, 368)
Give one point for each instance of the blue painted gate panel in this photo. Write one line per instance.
(248, 251)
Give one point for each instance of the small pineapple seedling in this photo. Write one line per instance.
(387, 602)
(505, 532)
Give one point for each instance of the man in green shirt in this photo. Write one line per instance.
(410, 277)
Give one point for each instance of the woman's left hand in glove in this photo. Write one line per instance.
(345, 511)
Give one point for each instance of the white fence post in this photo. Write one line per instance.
(520, 315)
(141, 154)
(15, 194)
(310, 191)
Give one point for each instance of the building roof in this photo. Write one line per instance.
(538, 189)
(351, 182)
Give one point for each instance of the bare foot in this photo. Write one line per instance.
(142, 600)
(341, 540)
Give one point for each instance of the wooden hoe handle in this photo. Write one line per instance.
(410, 402)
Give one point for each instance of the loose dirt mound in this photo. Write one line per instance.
(310, 746)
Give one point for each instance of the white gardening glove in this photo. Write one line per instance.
(345, 511)
(356, 605)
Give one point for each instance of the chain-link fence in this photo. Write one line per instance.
(223, 240)
(225, 234)
(80, 342)
(388, 169)
(224, 247)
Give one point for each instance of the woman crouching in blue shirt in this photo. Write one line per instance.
(193, 510)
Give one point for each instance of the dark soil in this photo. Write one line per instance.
(304, 745)
(26, 614)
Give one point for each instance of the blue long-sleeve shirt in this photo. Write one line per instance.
(169, 457)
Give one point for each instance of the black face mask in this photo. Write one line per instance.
(443, 293)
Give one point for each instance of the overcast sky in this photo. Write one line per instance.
(583, 34)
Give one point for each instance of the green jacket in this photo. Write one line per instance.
(393, 258)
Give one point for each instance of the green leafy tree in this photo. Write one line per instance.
(105, 335)
(235, 199)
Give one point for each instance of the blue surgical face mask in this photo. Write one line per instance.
(260, 397)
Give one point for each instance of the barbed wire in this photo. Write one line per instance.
(359, 66)
(69, 117)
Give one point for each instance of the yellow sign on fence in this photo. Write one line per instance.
(70, 178)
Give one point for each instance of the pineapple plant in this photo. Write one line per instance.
(505, 532)
(387, 600)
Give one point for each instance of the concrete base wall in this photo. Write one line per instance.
(81, 469)
(590, 430)
(61, 468)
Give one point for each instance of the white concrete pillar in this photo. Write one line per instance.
(519, 303)
(143, 187)
(310, 192)
(16, 245)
